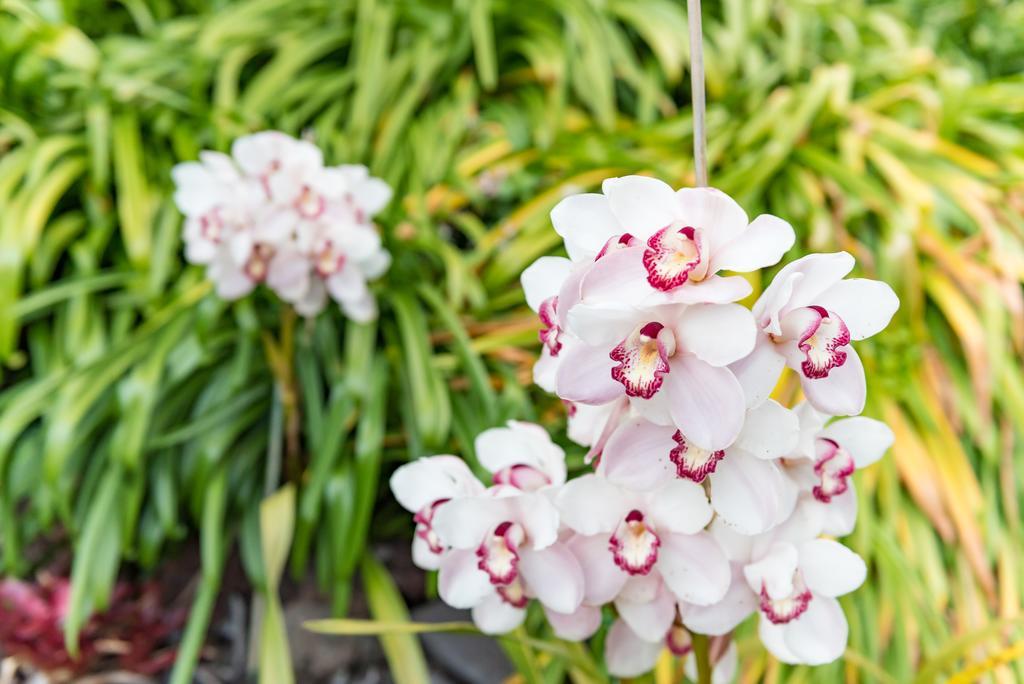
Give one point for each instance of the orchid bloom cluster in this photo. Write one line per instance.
(708, 501)
(272, 213)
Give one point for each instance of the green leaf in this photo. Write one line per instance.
(403, 651)
(277, 523)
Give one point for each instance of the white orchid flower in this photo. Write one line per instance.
(808, 317)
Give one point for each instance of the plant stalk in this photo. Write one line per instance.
(700, 148)
(702, 651)
(281, 358)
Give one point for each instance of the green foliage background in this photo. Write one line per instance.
(137, 409)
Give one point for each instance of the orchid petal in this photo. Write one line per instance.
(576, 626)
(460, 582)
(759, 372)
(636, 455)
(495, 616)
(433, 478)
(590, 505)
(762, 244)
(586, 223)
(585, 375)
(718, 334)
(714, 212)
(865, 439)
(819, 636)
(829, 568)
(694, 568)
(843, 391)
(679, 506)
(866, 306)
(602, 579)
(706, 402)
(555, 577)
(626, 654)
(820, 272)
(463, 523)
(748, 492)
(725, 615)
(650, 620)
(769, 431)
(641, 205)
(543, 279)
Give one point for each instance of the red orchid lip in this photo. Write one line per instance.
(310, 204)
(642, 361)
(784, 610)
(551, 332)
(671, 257)
(259, 262)
(523, 477)
(424, 526)
(834, 466)
(634, 545)
(513, 593)
(678, 640)
(498, 554)
(616, 242)
(329, 261)
(822, 342)
(693, 462)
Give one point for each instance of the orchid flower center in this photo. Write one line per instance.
(310, 204)
(259, 262)
(513, 593)
(211, 225)
(273, 167)
(834, 466)
(550, 333)
(329, 260)
(499, 553)
(673, 256)
(678, 640)
(693, 462)
(424, 519)
(617, 242)
(779, 611)
(820, 337)
(522, 476)
(634, 545)
(357, 213)
(643, 359)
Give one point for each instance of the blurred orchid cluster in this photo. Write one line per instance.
(272, 213)
(708, 501)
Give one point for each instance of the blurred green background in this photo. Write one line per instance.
(138, 412)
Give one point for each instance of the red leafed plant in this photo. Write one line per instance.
(133, 634)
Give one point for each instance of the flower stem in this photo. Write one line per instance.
(702, 651)
(700, 150)
(280, 357)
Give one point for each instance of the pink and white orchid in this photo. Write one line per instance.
(827, 456)
(671, 362)
(624, 535)
(505, 550)
(422, 488)
(748, 488)
(674, 238)
(521, 455)
(628, 654)
(273, 214)
(797, 585)
(807, 318)
(708, 500)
